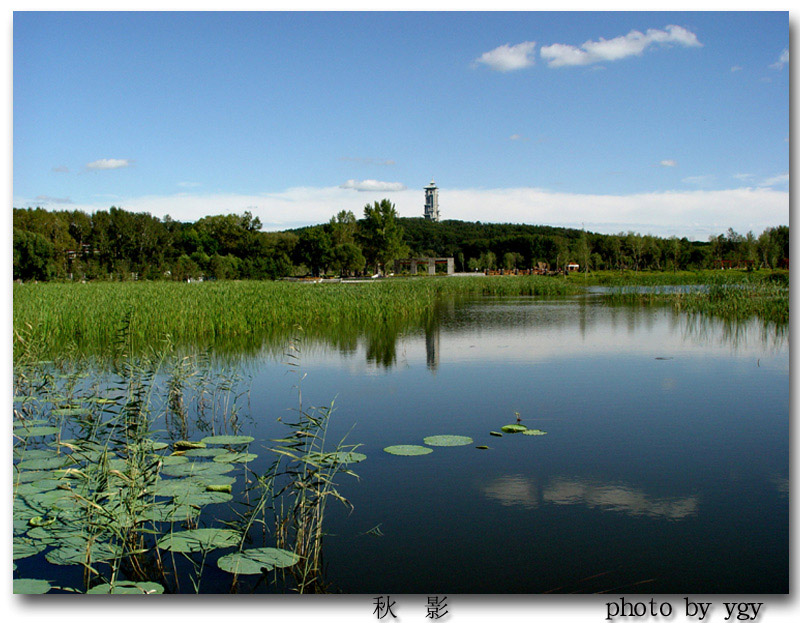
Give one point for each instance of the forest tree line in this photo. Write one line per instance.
(122, 245)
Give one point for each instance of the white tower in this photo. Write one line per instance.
(432, 202)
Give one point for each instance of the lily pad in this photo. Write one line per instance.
(188, 445)
(482, 447)
(174, 459)
(53, 462)
(27, 547)
(171, 512)
(235, 457)
(26, 586)
(202, 539)
(37, 431)
(533, 432)
(227, 440)
(127, 588)
(495, 433)
(255, 561)
(205, 452)
(513, 428)
(197, 469)
(448, 440)
(408, 450)
(76, 553)
(331, 458)
(69, 411)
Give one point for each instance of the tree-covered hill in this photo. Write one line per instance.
(118, 244)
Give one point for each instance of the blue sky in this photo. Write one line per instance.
(668, 123)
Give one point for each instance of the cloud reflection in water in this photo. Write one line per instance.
(518, 489)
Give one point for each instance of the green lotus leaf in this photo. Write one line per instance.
(23, 548)
(197, 468)
(169, 488)
(41, 522)
(495, 433)
(188, 445)
(76, 553)
(219, 488)
(33, 476)
(171, 512)
(205, 452)
(533, 431)
(408, 450)
(202, 539)
(53, 462)
(448, 440)
(482, 447)
(255, 561)
(70, 411)
(202, 498)
(29, 423)
(513, 428)
(127, 588)
(235, 457)
(227, 440)
(27, 586)
(202, 481)
(35, 453)
(37, 431)
(32, 488)
(174, 459)
(332, 458)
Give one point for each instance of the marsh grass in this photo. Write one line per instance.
(239, 315)
(732, 297)
(98, 487)
(304, 481)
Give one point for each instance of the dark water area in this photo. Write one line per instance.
(665, 467)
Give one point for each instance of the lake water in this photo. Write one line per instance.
(665, 467)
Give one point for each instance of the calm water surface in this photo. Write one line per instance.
(665, 467)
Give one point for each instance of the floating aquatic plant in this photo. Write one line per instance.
(408, 450)
(201, 539)
(513, 428)
(448, 440)
(257, 560)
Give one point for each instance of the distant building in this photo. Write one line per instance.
(432, 202)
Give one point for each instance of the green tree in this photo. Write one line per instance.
(315, 249)
(381, 235)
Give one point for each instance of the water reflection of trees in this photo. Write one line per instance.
(583, 315)
(619, 497)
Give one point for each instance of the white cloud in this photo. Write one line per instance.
(669, 163)
(373, 185)
(509, 57)
(698, 180)
(736, 68)
(695, 214)
(782, 60)
(776, 180)
(109, 163)
(632, 44)
(46, 199)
